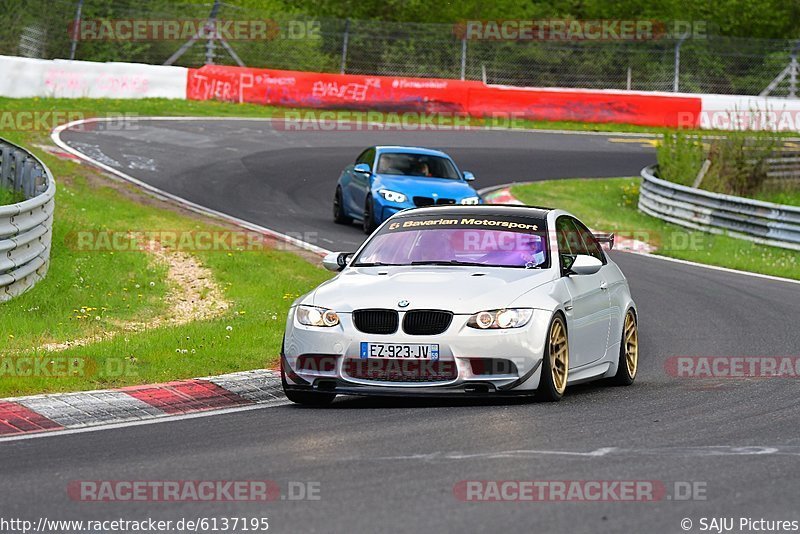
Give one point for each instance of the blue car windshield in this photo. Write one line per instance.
(404, 164)
(490, 241)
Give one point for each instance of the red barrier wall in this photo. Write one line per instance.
(309, 89)
(431, 95)
(587, 106)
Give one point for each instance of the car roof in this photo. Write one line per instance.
(410, 150)
(482, 209)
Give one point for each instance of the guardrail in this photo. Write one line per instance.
(761, 222)
(784, 166)
(26, 228)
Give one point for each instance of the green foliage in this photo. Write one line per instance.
(738, 160)
(416, 38)
(680, 157)
(739, 163)
(773, 19)
(10, 197)
(601, 204)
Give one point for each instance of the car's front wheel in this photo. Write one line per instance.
(369, 216)
(310, 398)
(555, 364)
(306, 398)
(628, 363)
(339, 216)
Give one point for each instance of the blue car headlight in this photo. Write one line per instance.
(470, 201)
(392, 196)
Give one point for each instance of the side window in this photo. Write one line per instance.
(569, 238)
(591, 245)
(368, 157)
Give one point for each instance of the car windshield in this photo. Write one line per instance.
(416, 165)
(490, 241)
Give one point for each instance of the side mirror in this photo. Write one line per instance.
(605, 238)
(362, 168)
(336, 261)
(584, 264)
(468, 176)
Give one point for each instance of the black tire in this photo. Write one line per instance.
(369, 217)
(310, 398)
(547, 390)
(306, 398)
(626, 373)
(338, 209)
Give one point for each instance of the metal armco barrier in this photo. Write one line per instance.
(761, 222)
(26, 228)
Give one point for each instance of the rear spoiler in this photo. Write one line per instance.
(605, 238)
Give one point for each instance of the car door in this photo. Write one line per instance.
(358, 184)
(588, 308)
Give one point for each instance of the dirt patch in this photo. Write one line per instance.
(194, 295)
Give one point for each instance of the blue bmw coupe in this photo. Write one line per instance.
(386, 179)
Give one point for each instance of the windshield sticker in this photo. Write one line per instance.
(516, 225)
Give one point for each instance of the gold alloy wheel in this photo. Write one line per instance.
(559, 356)
(631, 340)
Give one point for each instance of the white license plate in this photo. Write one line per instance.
(402, 351)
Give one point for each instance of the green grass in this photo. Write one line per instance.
(611, 205)
(10, 197)
(789, 197)
(87, 293)
(77, 108)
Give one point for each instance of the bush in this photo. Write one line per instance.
(738, 160)
(739, 163)
(680, 157)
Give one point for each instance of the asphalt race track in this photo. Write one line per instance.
(388, 465)
(285, 180)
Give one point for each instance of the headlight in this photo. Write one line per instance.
(498, 319)
(471, 200)
(314, 316)
(392, 196)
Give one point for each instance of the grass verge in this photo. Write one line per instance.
(788, 197)
(103, 317)
(611, 205)
(76, 108)
(10, 197)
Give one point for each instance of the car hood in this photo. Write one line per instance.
(462, 290)
(423, 186)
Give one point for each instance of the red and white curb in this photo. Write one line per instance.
(67, 411)
(503, 196)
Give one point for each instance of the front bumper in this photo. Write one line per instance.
(459, 348)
